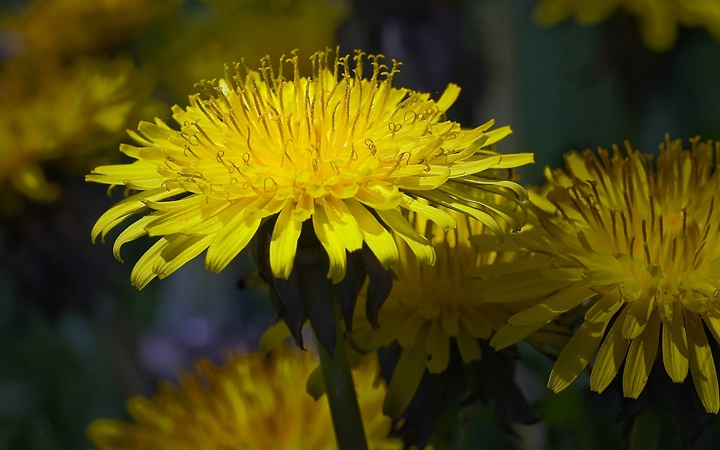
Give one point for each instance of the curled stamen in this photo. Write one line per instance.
(371, 146)
(265, 183)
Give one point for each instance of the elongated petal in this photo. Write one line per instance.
(418, 243)
(232, 238)
(702, 366)
(576, 355)
(440, 217)
(283, 243)
(468, 346)
(550, 308)
(675, 345)
(331, 243)
(639, 312)
(124, 208)
(405, 380)
(377, 238)
(641, 357)
(610, 357)
(438, 347)
(510, 334)
(134, 231)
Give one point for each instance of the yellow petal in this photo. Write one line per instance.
(377, 238)
(232, 238)
(702, 366)
(315, 383)
(641, 357)
(145, 269)
(405, 380)
(331, 243)
(134, 231)
(450, 202)
(180, 250)
(343, 223)
(550, 308)
(274, 336)
(509, 335)
(639, 312)
(610, 357)
(675, 346)
(448, 97)
(422, 208)
(468, 346)
(438, 347)
(283, 243)
(418, 243)
(605, 307)
(121, 210)
(576, 355)
(139, 175)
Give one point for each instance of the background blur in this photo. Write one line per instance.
(76, 339)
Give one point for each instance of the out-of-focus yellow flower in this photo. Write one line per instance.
(57, 28)
(343, 150)
(234, 29)
(254, 401)
(50, 113)
(637, 245)
(658, 19)
(433, 308)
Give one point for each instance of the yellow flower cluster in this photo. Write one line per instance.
(253, 401)
(59, 113)
(634, 244)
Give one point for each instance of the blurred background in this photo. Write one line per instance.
(76, 339)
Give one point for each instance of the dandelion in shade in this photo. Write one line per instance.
(633, 242)
(251, 401)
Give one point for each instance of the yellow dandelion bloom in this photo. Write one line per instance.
(343, 150)
(254, 401)
(49, 113)
(658, 19)
(635, 243)
(431, 308)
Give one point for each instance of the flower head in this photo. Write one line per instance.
(51, 113)
(253, 401)
(432, 309)
(635, 244)
(337, 149)
(658, 19)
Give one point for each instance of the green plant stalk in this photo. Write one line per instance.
(340, 391)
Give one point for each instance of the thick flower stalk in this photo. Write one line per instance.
(658, 19)
(634, 244)
(340, 150)
(252, 401)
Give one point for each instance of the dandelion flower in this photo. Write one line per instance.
(433, 308)
(635, 244)
(52, 113)
(250, 402)
(658, 19)
(345, 151)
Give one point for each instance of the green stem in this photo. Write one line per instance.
(341, 395)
